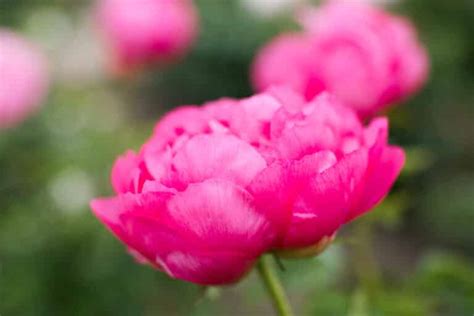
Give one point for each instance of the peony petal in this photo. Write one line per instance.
(288, 98)
(220, 215)
(135, 220)
(377, 131)
(217, 156)
(157, 160)
(114, 212)
(124, 166)
(321, 206)
(380, 177)
(305, 139)
(208, 234)
(253, 125)
(327, 110)
(156, 186)
(206, 268)
(223, 110)
(261, 106)
(323, 123)
(189, 120)
(279, 189)
(375, 139)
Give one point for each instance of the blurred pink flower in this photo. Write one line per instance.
(365, 56)
(23, 79)
(140, 32)
(216, 186)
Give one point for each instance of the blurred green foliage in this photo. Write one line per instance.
(56, 259)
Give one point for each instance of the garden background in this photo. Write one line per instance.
(412, 256)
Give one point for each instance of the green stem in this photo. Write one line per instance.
(365, 263)
(273, 285)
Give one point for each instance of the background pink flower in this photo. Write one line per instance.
(140, 32)
(23, 79)
(365, 56)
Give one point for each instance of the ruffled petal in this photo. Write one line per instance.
(220, 215)
(222, 112)
(382, 172)
(217, 156)
(115, 214)
(288, 98)
(156, 186)
(327, 110)
(122, 171)
(377, 131)
(177, 251)
(157, 160)
(322, 204)
(129, 173)
(253, 125)
(206, 268)
(189, 120)
(322, 124)
(308, 198)
(208, 234)
(305, 139)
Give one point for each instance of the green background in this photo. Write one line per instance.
(412, 256)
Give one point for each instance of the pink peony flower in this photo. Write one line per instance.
(141, 32)
(218, 185)
(366, 57)
(23, 79)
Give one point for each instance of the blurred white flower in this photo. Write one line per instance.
(50, 27)
(71, 44)
(270, 8)
(82, 59)
(71, 190)
(382, 2)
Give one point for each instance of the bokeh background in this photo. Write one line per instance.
(412, 256)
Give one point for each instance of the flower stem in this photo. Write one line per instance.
(366, 265)
(273, 285)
